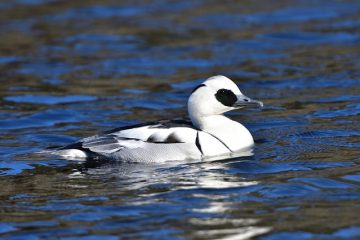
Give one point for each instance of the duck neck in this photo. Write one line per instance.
(211, 122)
(233, 134)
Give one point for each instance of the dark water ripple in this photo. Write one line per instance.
(70, 69)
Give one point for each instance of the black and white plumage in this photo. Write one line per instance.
(209, 133)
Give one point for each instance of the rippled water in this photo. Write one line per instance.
(69, 69)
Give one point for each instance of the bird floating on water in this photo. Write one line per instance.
(209, 134)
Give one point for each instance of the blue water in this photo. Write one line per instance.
(71, 69)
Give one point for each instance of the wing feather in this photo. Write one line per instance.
(138, 137)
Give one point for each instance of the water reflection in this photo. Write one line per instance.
(203, 186)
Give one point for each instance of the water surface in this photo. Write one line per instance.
(70, 69)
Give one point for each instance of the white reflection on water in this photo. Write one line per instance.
(212, 180)
(241, 228)
(214, 177)
(234, 233)
(209, 182)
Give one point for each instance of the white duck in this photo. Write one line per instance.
(209, 134)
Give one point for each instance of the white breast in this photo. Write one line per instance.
(210, 146)
(232, 134)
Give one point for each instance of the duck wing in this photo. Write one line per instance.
(149, 138)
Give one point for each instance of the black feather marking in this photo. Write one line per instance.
(172, 138)
(77, 145)
(197, 143)
(172, 123)
(220, 141)
(226, 97)
(127, 138)
(127, 127)
(201, 85)
(151, 139)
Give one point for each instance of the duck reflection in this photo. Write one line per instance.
(199, 194)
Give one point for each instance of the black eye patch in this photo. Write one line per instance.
(226, 97)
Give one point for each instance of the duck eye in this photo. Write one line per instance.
(226, 97)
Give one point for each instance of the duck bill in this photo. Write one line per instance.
(244, 101)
